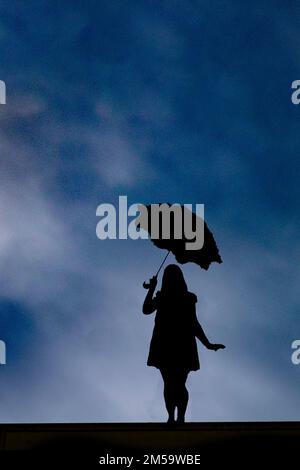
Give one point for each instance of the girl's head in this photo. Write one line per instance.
(173, 282)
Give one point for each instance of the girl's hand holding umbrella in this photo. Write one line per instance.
(153, 281)
(151, 284)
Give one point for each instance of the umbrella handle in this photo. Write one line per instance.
(146, 285)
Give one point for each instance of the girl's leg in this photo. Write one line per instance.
(170, 397)
(182, 397)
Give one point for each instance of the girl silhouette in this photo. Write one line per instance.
(173, 348)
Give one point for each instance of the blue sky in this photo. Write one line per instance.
(180, 101)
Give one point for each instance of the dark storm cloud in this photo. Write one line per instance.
(181, 101)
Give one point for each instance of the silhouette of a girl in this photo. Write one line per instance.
(173, 348)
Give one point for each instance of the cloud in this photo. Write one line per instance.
(166, 104)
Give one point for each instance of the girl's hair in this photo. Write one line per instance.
(173, 282)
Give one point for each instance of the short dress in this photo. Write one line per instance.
(173, 344)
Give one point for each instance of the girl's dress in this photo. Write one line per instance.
(173, 344)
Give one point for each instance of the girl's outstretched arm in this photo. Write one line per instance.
(149, 305)
(199, 333)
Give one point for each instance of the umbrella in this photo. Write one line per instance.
(203, 256)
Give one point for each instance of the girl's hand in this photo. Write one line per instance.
(151, 284)
(216, 346)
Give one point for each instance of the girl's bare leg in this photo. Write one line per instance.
(169, 395)
(182, 397)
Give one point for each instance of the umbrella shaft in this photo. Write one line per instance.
(162, 263)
